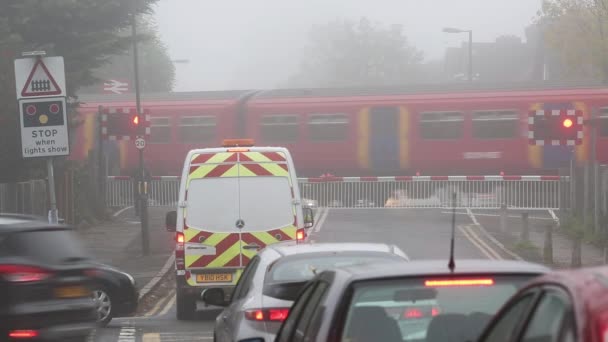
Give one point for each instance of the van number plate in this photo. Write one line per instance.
(214, 278)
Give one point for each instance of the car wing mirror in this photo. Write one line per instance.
(309, 217)
(214, 296)
(171, 221)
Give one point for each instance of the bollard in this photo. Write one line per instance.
(548, 248)
(503, 217)
(525, 231)
(576, 252)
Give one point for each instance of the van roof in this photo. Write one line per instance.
(250, 149)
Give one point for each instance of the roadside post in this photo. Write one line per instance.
(41, 96)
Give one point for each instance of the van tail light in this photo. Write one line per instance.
(23, 274)
(180, 260)
(267, 315)
(300, 235)
(22, 334)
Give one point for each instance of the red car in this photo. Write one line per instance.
(560, 306)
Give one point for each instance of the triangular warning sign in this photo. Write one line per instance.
(40, 82)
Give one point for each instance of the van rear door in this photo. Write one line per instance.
(212, 241)
(267, 203)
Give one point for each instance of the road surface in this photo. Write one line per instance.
(421, 234)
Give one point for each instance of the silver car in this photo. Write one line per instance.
(274, 277)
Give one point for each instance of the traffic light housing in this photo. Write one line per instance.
(123, 125)
(555, 127)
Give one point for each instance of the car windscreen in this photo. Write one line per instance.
(301, 267)
(426, 309)
(48, 246)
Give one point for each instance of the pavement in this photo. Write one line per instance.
(538, 221)
(420, 233)
(118, 243)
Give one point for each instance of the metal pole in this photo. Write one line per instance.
(100, 158)
(143, 200)
(470, 55)
(53, 217)
(596, 197)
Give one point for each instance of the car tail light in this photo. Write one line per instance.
(23, 274)
(415, 313)
(23, 334)
(267, 315)
(92, 273)
(300, 235)
(459, 282)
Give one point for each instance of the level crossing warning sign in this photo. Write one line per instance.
(40, 77)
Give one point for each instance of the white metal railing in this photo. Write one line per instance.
(474, 192)
(24, 197)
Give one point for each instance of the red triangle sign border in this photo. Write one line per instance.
(26, 93)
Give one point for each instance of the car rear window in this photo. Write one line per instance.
(303, 267)
(426, 309)
(52, 246)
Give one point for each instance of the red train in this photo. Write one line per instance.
(350, 132)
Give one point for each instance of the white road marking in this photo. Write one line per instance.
(321, 220)
(497, 215)
(122, 211)
(127, 334)
(472, 217)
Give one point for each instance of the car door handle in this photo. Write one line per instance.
(252, 246)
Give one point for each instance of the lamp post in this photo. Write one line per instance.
(142, 182)
(470, 32)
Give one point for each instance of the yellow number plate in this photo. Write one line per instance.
(214, 278)
(72, 292)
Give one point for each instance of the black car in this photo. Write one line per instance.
(414, 301)
(45, 290)
(115, 293)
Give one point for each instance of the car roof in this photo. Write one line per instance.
(587, 284)
(17, 222)
(440, 268)
(291, 248)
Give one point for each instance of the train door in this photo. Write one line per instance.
(384, 140)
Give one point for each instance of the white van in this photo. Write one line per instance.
(233, 201)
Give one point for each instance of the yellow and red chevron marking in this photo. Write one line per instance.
(228, 167)
(228, 245)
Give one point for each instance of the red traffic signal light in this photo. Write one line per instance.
(567, 123)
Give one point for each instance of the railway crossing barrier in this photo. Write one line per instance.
(473, 192)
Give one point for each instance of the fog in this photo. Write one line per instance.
(237, 44)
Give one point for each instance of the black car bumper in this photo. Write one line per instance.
(53, 320)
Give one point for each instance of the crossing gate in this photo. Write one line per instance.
(473, 192)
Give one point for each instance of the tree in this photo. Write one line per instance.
(347, 53)
(157, 72)
(576, 32)
(85, 32)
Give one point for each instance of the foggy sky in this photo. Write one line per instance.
(241, 44)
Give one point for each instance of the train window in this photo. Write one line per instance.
(160, 130)
(279, 128)
(603, 131)
(196, 129)
(441, 125)
(495, 124)
(327, 127)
